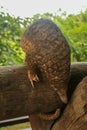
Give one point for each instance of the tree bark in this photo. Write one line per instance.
(18, 98)
(75, 114)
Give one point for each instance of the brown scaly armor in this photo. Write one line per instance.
(47, 51)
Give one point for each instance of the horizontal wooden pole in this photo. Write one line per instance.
(18, 98)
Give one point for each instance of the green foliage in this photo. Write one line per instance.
(22, 126)
(10, 34)
(74, 27)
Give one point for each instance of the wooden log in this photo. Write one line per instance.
(17, 98)
(77, 73)
(75, 114)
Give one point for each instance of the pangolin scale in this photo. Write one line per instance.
(48, 51)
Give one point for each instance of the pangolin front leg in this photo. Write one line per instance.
(61, 93)
(32, 77)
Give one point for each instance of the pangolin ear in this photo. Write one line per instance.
(63, 95)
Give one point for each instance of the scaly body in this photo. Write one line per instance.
(48, 51)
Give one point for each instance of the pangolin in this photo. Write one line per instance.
(47, 56)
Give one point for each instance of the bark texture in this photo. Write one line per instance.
(75, 114)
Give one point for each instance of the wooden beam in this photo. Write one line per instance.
(18, 98)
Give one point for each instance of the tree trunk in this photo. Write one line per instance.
(18, 98)
(75, 114)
